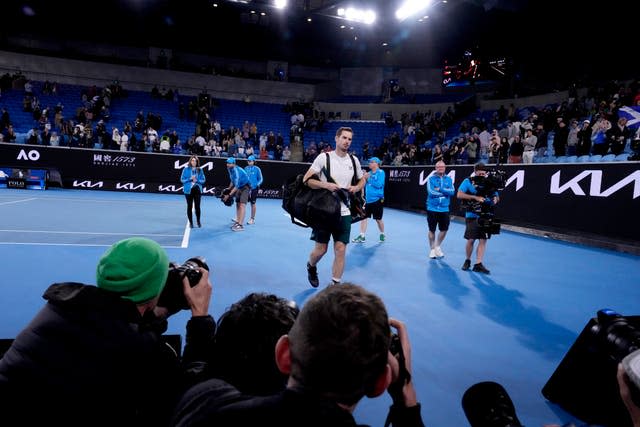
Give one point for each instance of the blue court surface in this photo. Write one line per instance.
(512, 327)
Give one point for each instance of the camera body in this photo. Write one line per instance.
(486, 186)
(228, 201)
(584, 383)
(172, 296)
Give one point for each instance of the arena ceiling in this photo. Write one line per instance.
(548, 36)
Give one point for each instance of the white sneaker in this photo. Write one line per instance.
(439, 252)
(432, 254)
(251, 221)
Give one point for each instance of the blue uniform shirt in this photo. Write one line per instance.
(374, 189)
(438, 200)
(238, 177)
(255, 176)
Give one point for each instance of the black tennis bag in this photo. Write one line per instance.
(315, 208)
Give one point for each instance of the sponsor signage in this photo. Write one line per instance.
(589, 197)
(16, 183)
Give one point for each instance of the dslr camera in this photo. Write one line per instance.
(585, 384)
(172, 296)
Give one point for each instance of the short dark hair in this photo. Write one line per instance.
(343, 129)
(245, 340)
(340, 342)
(480, 167)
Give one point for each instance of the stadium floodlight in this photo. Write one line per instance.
(411, 7)
(280, 4)
(366, 16)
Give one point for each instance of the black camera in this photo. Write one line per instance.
(486, 185)
(584, 383)
(172, 296)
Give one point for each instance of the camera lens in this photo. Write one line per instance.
(619, 337)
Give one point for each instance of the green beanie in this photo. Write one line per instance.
(135, 268)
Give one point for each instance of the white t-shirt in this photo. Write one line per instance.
(341, 171)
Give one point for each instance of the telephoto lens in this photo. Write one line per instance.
(172, 296)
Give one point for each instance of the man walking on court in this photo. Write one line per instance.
(239, 188)
(439, 192)
(255, 180)
(374, 197)
(343, 168)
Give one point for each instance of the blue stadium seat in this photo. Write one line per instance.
(622, 157)
(583, 159)
(608, 158)
(561, 159)
(595, 158)
(572, 159)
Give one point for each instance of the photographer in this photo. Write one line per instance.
(338, 351)
(471, 190)
(94, 355)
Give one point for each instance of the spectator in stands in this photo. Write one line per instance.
(94, 355)
(530, 142)
(572, 138)
(336, 353)
(560, 136)
(345, 173)
(239, 188)
(255, 180)
(192, 179)
(541, 145)
(599, 136)
(286, 153)
(516, 149)
(245, 340)
(617, 136)
(583, 146)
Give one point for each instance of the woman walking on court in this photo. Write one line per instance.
(192, 179)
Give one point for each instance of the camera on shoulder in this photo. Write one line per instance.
(172, 296)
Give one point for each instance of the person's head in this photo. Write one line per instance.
(344, 136)
(194, 162)
(245, 339)
(374, 163)
(136, 269)
(339, 345)
(251, 159)
(480, 169)
(231, 163)
(440, 167)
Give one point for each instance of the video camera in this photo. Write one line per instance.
(486, 185)
(172, 296)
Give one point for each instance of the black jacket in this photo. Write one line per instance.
(217, 404)
(89, 358)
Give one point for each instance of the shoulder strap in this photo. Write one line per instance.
(354, 178)
(327, 170)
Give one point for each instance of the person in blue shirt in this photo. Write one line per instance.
(374, 198)
(440, 189)
(239, 188)
(255, 180)
(469, 191)
(192, 179)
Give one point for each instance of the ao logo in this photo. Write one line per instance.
(32, 155)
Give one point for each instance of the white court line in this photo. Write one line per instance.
(71, 244)
(185, 236)
(89, 232)
(18, 201)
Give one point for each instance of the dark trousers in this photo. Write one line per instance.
(193, 200)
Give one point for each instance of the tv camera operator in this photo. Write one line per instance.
(479, 194)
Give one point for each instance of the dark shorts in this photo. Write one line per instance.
(242, 195)
(341, 234)
(253, 196)
(438, 219)
(374, 209)
(473, 230)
